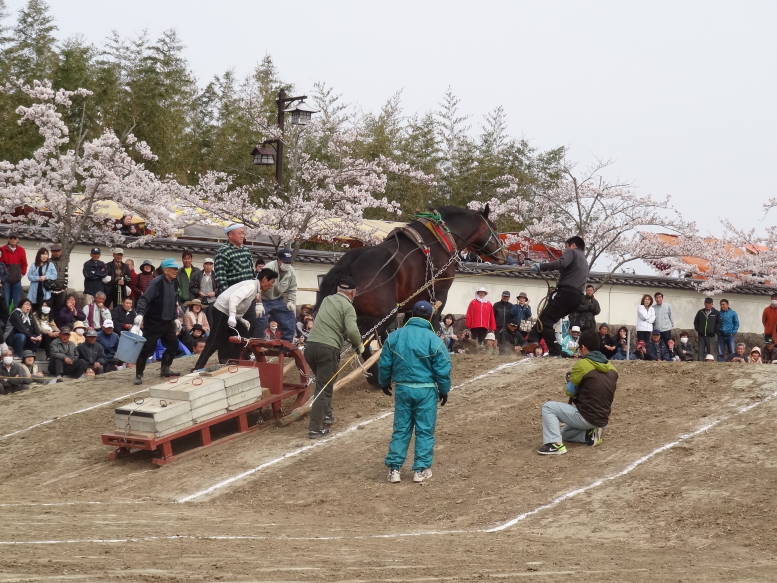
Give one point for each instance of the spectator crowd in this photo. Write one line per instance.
(54, 331)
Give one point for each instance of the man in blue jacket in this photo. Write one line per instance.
(729, 326)
(418, 363)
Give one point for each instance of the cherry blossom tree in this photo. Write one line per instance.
(324, 199)
(616, 224)
(69, 183)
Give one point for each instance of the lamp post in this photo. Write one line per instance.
(264, 154)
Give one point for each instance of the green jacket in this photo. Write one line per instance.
(592, 386)
(335, 322)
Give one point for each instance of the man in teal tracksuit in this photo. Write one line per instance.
(418, 363)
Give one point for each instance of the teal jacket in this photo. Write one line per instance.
(414, 354)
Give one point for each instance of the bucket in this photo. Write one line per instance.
(129, 347)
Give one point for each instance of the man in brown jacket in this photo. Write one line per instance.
(769, 319)
(591, 388)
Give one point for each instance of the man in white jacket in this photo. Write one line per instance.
(228, 316)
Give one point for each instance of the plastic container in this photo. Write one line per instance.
(129, 347)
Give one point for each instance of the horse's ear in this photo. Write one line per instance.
(485, 211)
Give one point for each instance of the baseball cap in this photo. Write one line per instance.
(285, 256)
(64, 330)
(655, 333)
(490, 336)
(512, 323)
(169, 263)
(91, 333)
(233, 226)
(207, 260)
(108, 324)
(506, 293)
(56, 247)
(95, 251)
(346, 282)
(422, 308)
(575, 329)
(709, 357)
(118, 251)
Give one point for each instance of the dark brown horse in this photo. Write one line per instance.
(398, 270)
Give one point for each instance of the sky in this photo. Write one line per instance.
(681, 97)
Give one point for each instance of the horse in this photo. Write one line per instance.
(414, 262)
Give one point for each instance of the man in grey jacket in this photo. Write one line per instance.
(279, 302)
(664, 321)
(64, 357)
(573, 268)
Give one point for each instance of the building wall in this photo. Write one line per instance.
(618, 302)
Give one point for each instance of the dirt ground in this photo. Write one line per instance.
(701, 508)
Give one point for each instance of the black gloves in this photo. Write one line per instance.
(387, 390)
(443, 399)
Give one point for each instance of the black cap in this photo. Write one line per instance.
(56, 247)
(64, 330)
(512, 323)
(95, 251)
(346, 282)
(91, 333)
(198, 327)
(506, 293)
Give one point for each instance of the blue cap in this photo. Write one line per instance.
(233, 226)
(285, 256)
(423, 309)
(169, 264)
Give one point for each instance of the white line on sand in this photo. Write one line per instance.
(97, 406)
(322, 442)
(500, 527)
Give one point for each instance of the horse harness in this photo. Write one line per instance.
(437, 228)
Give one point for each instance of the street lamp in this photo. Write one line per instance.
(301, 113)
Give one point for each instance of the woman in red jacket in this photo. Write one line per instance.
(480, 316)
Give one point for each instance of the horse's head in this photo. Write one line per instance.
(475, 231)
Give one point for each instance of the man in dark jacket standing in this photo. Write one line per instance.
(591, 387)
(585, 314)
(156, 314)
(119, 280)
(567, 296)
(60, 284)
(186, 275)
(707, 325)
(503, 311)
(95, 275)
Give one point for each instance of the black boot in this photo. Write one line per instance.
(138, 380)
(166, 372)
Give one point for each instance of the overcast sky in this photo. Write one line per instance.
(681, 96)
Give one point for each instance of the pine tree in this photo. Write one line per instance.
(32, 51)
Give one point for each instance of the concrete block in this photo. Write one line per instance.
(188, 389)
(242, 374)
(249, 394)
(210, 415)
(208, 410)
(242, 386)
(155, 409)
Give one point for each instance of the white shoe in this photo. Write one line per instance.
(393, 476)
(422, 475)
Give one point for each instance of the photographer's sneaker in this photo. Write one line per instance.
(552, 449)
(593, 437)
(393, 476)
(422, 475)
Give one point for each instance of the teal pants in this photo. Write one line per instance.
(414, 408)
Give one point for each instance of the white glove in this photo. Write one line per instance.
(292, 307)
(107, 279)
(232, 322)
(360, 348)
(245, 323)
(138, 320)
(259, 309)
(136, 330)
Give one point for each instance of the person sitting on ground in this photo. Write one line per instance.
(640, 352)
(69, 313)
(109, 340)
(671, 346)
(489, 343)
(591, 387)
(92, 353)
(79, 333)
(22, 331)
(199, 346)
(123, 316)
(480, 316)
(305, 312)
(97, 311)
(64, 357)
(30, 367)
(569, 342)
(739, 354)
(272, 332)
(606, 341)
(621, 344)
(685, 350)
(769, 354)
(195, 315)
(48, 327)
(510, 339)
(307, 328)
(656, 349)
(755, 356)
(709, 358)
(539, 352)
(447, 332)
(189, 338)
(12, 377)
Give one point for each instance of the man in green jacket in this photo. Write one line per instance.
(334, 324)
(418, 363)
(591, 387)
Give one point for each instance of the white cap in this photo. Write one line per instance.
(575, 329)
(207, 260)
(490, 336)
(107, 323)
(482, 289)
(709, 357)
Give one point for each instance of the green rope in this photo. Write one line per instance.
(432, 216)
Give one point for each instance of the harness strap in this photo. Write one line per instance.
(414, 235)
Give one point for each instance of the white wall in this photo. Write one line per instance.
(618, 302)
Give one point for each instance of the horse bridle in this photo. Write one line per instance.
(482, 250)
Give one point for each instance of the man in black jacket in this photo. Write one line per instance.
(156, 314)
(585, 314)
(707, 325)
(91, 353)
(509, 339)
(120, 277)
(503, 311)
(567, 296)
(95, 275)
